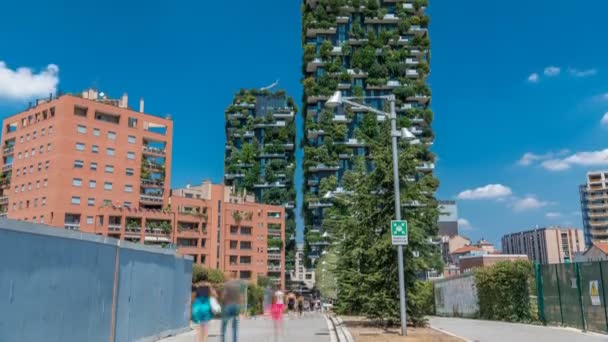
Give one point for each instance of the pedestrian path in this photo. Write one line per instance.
(492, 331)
(312, 327)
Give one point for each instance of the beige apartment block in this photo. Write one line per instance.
(594, 207)
(551, 245)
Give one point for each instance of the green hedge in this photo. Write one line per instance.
(503, 291)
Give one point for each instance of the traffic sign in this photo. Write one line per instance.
(399, 232)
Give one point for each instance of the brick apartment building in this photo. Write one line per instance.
(89, 163)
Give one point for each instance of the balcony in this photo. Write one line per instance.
(312, 182)
(341, 119)
(599, 224)
(313, 32)
(416, 52)
(417, 120)
(149, 183)
(274, 232)
(151, 199)
(273, 256)
(288, 147)
(235, 115)
(269, 185)
(411, 61)
(283, 114)
(153, 150)
(416, 130)
(314, 64)
(114, 227)
(425, 167)
(416, 29)
(412, 73)
(8, 150)
(289, 205)
(72, 225)
(344, 85)
(311, 111)
(323, 167)
(316, 98)
(3, 200)
(274, 268)
(271, 156)
(386, 19)
(317, 205)
(7, 167)
(234, 175)
(313, 134)
(355, 143)
(409, 7)
(420, 98)
(401, 41)
(5, 183)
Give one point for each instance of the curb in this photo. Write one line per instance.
(336, 326)
(449, 333)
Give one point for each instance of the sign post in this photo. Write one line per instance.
(399, 232)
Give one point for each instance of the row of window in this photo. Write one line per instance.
(29, 186)
(33, 152)
(24, 171)
(34, 134)
(244, 244)
(19, 205)
(109, 150)
(91, 201)
(79, 164)
(77, 182)
(82, 129)
(34, 219)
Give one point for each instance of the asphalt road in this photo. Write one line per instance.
(310, 328)
(490, 331)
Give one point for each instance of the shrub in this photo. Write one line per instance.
(504, 291)
(201, 273)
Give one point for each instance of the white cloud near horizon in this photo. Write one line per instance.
(582, 73)
(591, 158)
(527, 203)
(490, 191)
(464, 224)
(552, 215)
(528, 158)
(552, 71)
(533, 78)
(23, 83)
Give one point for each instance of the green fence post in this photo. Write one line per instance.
(559, 295)
(580, 294)
(603, 293)
(540, 298)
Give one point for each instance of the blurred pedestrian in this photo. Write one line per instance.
(300, 303)
(202, 311)
(278, 307)
(268, 294)
(233, 299)
(291, 303)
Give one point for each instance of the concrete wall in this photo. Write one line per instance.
(456, 297)
(58, 285)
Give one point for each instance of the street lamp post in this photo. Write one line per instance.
(337, 99)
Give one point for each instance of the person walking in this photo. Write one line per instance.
(278, 307)
(300, 302)
(291, 303)
(202, 311)
(233, 299)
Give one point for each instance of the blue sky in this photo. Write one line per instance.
(188, 58)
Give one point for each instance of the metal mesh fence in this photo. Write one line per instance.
(574, 295)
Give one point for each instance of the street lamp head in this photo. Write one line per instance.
(406, 134)
(335, 100)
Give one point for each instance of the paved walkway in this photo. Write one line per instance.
(490, 331)
(310, 328)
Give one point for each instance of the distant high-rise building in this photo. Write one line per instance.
(551, 245)
(594, 207)
(363, 49)
(260, 157)
(448, 218)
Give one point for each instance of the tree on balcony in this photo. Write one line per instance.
(237, 216)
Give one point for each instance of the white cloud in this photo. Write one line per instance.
(464, 224)
(490, 191)
(582, 73)
(552, 215)
(592, 158)
(528, 158)
(604, 120)
(552, 71)
(533, 78)
(528, 203)
(22, 83)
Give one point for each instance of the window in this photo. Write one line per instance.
(21, 139)
(78, 164)
(18, 172)
(128, 188)
(50, 130)
(127, 204)
(41, 218)
(89, 219)
(111, 135)
(27, 137)
(93, 166)
(245, 230)
(246, 245)
(131, 155)
(129, 171)
(34, 135)
(16, 188)
(91, 202)
(109, 169)
(27, 153)
(77, 182)
(33, 152)
(131, 139)
(37, 184)
(42, 133)
(22, 187)
(79, 146)
(39, 167)
(19, 155)
(110, 151)
(75, 200)
(31, 168)
(43, 201)
(132, 122)
(107, 202)
(14, 205)
(245, 260)
(96, 132)
(95, 149)
(92, 184)
(80, 111)
(233, 244)
(46, 165)
(35, 202)
(29, 186)
(20, 205)
(41, 149)
(234, 229)
(48, 147)
(107, 186)
(81, 129)
(46, 182)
